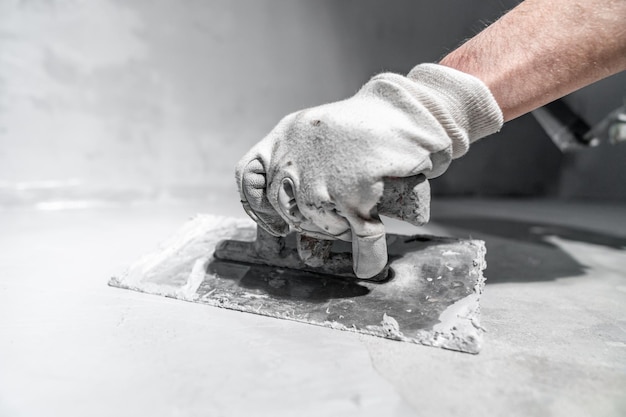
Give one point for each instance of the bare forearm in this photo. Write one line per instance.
(545, 49)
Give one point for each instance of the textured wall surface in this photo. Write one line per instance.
(118, 99)
(153, 95)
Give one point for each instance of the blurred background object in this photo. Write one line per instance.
(109, 101)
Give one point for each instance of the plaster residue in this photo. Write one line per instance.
(198, 272)
(178, 266)
(459, 324)
(391, 327)
(464, 308)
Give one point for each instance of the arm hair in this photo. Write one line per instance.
(544, 49)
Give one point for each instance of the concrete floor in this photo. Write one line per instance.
(554, 308)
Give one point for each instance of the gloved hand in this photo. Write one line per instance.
(322, 171)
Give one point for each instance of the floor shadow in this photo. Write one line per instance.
(295, 284)
(519, 251)
(287, 283)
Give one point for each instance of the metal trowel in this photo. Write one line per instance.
(427, 294)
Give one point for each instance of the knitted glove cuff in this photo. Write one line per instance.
(461, 102)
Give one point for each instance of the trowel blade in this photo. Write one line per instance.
(431, 296)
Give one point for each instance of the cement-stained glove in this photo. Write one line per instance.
(322, 171)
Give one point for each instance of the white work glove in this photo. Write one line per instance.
(322, 171)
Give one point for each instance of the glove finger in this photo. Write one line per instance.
(253, 180)
(254, 199)
(369, 246)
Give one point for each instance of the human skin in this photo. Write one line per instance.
(545, 49)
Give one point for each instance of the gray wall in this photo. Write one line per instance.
(119, 99)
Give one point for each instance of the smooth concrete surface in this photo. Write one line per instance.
(554, 308)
